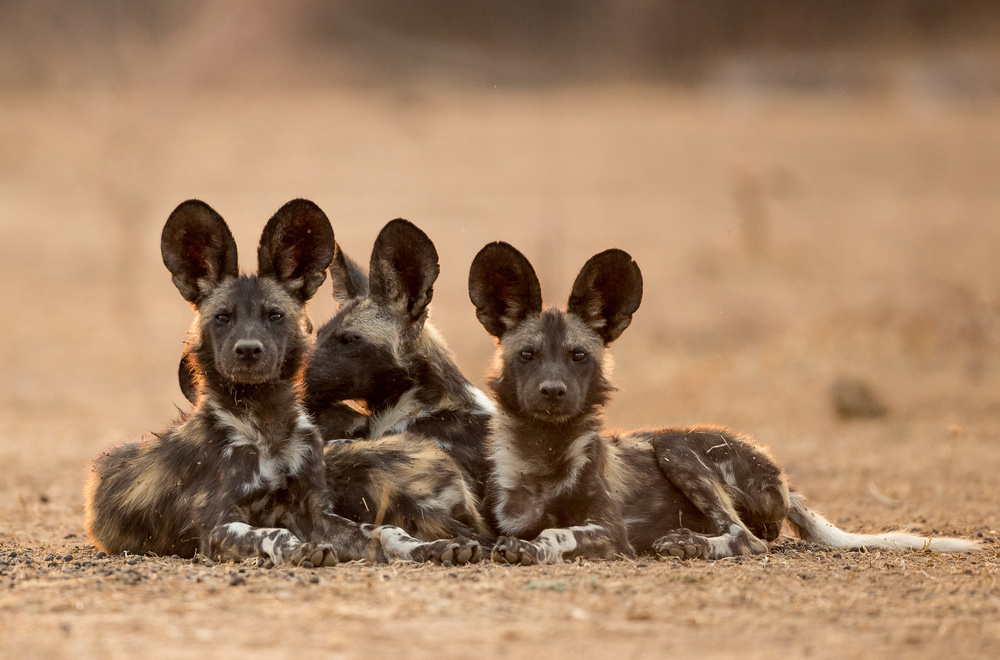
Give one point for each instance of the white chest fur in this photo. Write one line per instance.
(278, 458)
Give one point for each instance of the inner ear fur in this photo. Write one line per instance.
(607, 292)
(296, 248)
(404, 267)
(349, 280)
(198, 249)
(504, 288)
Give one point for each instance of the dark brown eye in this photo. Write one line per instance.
(579, 356)
(348, 339)
(222, 317)
(276, 315)
(527, 356)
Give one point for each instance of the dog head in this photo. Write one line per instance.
(364, 351)
(251, 329)
(551, 365)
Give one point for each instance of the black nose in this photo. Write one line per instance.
(552, 389)
(249, 349)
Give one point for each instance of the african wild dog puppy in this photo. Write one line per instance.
(558, 477)
(242, 475)
(424, 462)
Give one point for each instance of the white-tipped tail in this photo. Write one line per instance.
(816, 529)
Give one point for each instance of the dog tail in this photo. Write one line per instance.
(813, 527)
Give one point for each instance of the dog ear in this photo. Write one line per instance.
(403, 269)
(349, 281)
(296, 248)
(503, 287)
(198, 249)
(606, 293)
(187, 378)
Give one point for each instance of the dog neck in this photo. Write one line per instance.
(434, 386)
(274, 407)
(541, 447)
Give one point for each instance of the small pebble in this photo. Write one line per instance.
(237, 580)
(314, 579)
(100, 555)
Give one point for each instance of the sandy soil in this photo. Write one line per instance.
(786, 242)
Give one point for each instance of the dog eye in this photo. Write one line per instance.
(222, 317)
(349, 339)
(579, 356)
(276, 315)
(527, 356)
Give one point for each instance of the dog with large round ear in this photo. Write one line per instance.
(606, 293)
(503, 287)
(198, 249)
(371, 348)
(296, 248)
(404, 267)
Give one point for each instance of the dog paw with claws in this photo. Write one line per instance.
(511, 550)
(454, 551)
(313, 555)
(683, 543)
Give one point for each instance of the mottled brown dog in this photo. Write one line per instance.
(562, 486)
(421, 457)
(243, 474)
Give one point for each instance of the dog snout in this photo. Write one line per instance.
(249, 349)
(552, 390)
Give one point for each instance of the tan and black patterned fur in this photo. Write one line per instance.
(562, 486)
(242, 475)
(422, 464)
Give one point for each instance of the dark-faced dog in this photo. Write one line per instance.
(558, 478)
(381, 350)
(243, 474)
(423, 459)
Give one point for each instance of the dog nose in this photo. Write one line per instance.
(552, 389)
(249, 349)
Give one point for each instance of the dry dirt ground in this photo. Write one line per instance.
(786, 242)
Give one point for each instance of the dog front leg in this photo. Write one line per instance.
(236, 541)
(387, 543)
(590, 541)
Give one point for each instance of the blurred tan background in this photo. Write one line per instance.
(812, 194)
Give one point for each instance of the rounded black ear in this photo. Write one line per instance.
(349, 280)
(296, 248)
(403, 269)
(606, 293)
(187, 379)
(503, 287)
(198, 249)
